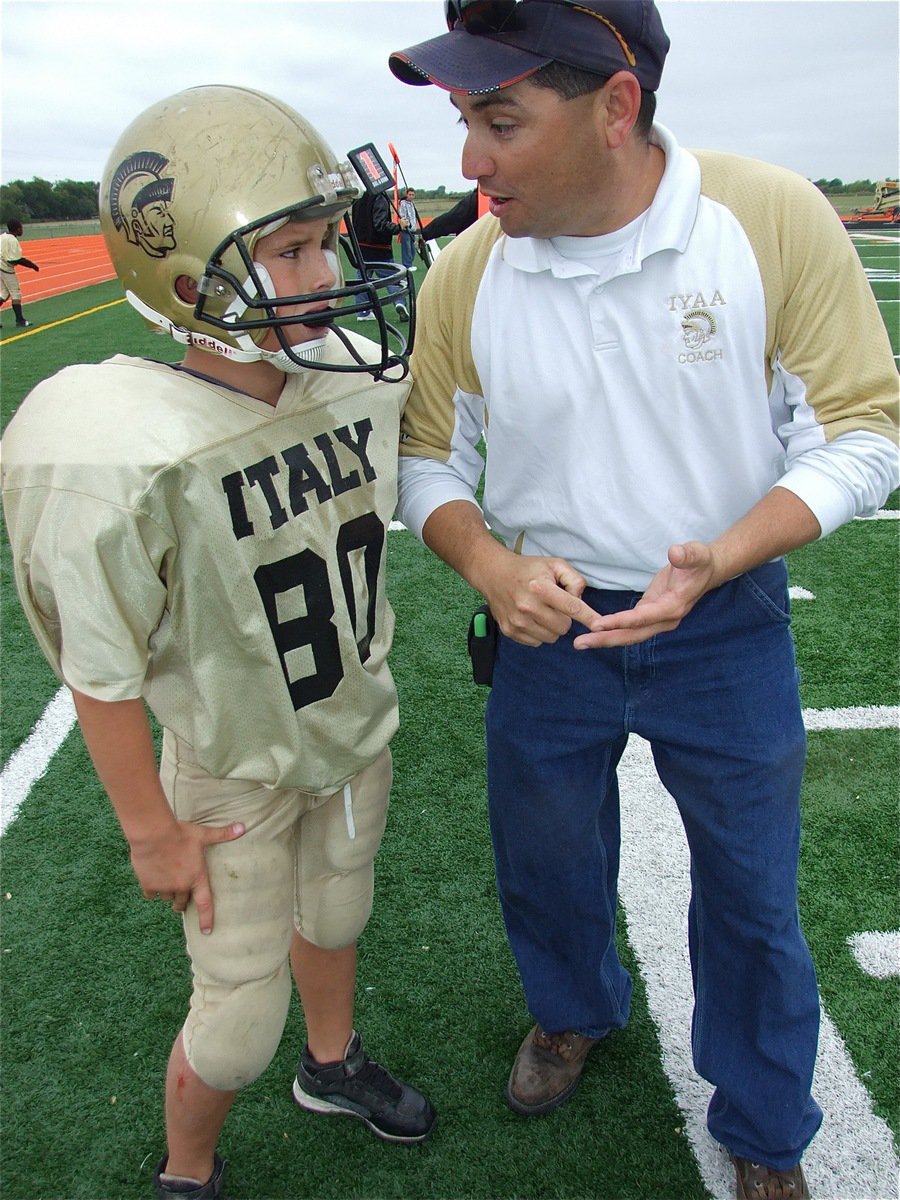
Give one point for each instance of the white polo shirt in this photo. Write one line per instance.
(650, 386)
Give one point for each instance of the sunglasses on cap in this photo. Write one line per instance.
(502, 16)
(481, 16)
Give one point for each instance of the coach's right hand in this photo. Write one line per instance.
(533, 599)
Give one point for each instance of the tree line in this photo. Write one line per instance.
(68, 200)
(40, 200)
(837, 187)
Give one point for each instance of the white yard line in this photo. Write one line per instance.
(31, 760)
(878, 954)
(852, 1157)
(867, 716)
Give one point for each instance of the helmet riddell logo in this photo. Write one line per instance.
(139, 199)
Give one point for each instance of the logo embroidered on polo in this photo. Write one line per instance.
(699, 326)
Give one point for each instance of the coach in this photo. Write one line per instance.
(681, 373)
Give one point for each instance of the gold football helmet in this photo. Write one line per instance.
(191, 186)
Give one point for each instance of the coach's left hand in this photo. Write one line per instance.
(673, 592)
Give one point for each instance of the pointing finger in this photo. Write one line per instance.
(213, 834)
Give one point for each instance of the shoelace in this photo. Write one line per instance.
(774, 1186)
(560, 1044)
(379, 1079)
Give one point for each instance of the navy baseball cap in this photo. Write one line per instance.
(493, 44)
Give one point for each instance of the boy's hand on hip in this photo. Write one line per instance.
(173, 866)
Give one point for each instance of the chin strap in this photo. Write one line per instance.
(203, 341)
(307, 352)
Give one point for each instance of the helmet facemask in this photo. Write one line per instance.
(243, 302)
(176, 209)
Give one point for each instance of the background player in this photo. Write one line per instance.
(209, 538)
(11, 257)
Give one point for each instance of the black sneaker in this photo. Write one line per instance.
(211, 1190)
(358, 1087)
(402, 310)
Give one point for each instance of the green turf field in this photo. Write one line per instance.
(94, 980)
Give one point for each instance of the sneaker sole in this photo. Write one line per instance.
(327, 1108)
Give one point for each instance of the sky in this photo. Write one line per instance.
(808, 84)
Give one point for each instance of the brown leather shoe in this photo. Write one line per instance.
(547, 1070)
(758, 1182)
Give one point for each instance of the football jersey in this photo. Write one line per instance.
(10, 252)
(223, 558)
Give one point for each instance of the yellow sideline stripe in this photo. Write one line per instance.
(52, 324)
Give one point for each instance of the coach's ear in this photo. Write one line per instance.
(186, 289)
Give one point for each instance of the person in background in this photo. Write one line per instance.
(680, 372)
(410, 231)
(446, 224)
(205, 505)
(11, 256)
(375, 231)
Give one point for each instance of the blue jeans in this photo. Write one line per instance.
(407, 248)
(377, 271)
(717, 699)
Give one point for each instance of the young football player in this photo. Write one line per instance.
(207, 540)
(11, 256)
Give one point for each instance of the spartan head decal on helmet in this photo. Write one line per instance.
(139, 202)
(189, 189)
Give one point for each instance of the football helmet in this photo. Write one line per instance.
(189, 189)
